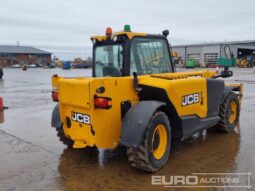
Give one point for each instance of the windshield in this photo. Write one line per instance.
(108, 60)
(150, 56)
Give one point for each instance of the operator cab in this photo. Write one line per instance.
(124, 53)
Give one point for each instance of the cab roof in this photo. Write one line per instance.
(130, 35)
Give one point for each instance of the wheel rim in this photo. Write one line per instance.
(233, 112)
(159, 141)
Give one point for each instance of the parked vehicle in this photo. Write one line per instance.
(192, 63)
(1, 73)
(66, 65)
(16, 66)
(32, 66)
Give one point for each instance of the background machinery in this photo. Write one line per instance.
(192, 63)
(245, 61)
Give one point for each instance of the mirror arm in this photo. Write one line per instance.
(226, 73)
(136, 84)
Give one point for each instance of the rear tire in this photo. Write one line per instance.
(154, 150)
(61, 135)
(229, 113)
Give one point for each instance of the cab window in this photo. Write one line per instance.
(149, 56)
(108, 60)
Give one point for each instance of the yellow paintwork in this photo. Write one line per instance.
(178, 88)
(106, 123)
(178, 75)
(77, 95)
(130, 35)
(99, 38)
(159, 152)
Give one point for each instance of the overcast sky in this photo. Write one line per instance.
(63, 27)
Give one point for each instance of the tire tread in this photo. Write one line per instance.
(138, 157)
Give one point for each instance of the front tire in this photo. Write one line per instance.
(229, 113)
(154, 150)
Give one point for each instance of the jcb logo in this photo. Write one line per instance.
(190, 99)
(81, 118)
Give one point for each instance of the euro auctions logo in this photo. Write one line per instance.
(174, 180)
(205, 180)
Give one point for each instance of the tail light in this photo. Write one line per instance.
(54, 94)
(103, 102)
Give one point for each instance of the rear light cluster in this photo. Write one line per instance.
(103, 102)
(54, 94)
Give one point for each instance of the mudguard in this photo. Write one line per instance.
(55, 118)
(135, 122)
(228, 89)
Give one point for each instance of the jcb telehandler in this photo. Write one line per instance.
(136, 99)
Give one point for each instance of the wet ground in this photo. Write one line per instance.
(32, 158)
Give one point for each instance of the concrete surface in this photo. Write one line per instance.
(32, 158)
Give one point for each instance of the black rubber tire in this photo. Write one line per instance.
(66, 141)
(142, 157)
(224, 125)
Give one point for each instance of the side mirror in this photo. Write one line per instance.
(165, 33)
(225, 73)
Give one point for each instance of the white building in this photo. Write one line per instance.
(209, 53)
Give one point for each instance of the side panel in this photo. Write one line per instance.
(188, 95)
(193, 124)
(215, 89)
(187, 116)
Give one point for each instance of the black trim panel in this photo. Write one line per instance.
(192, 124)
(215, 90)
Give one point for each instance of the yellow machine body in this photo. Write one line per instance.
(78, 94)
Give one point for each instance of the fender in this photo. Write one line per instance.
(227, 90)
(55, 118)
(136, 120)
